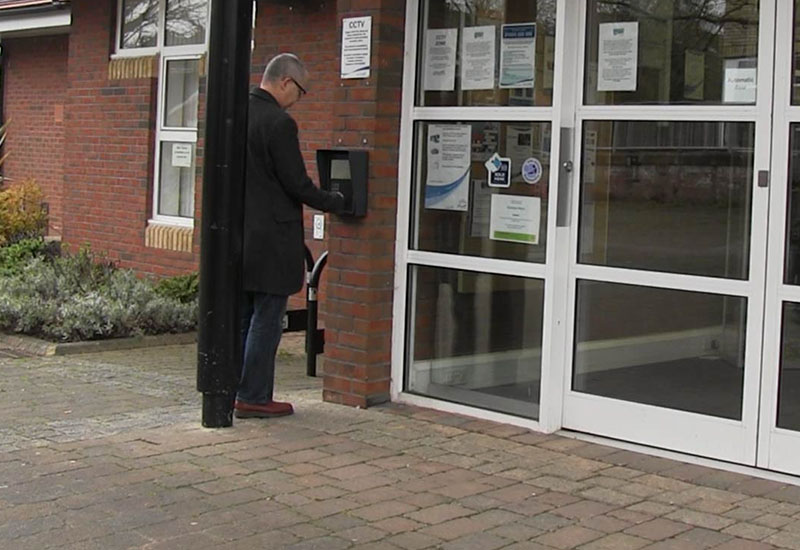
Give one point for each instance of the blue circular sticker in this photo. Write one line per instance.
(532, 170)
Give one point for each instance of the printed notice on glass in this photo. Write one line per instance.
(356, 46)
(447, 185)
(518, 55)
(182, 155)
(515, 218)
(618, 57)
(440, 59)
(477, 58)
(739, 85)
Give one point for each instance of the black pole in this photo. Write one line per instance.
(219, 343)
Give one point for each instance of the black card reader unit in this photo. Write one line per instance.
(345, 171)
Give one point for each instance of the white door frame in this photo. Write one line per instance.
(681, 431)
(778, 448)
(554, 330)
(560, 407)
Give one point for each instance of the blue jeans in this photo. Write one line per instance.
(262, 318)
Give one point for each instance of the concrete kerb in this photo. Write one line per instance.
(36, 346)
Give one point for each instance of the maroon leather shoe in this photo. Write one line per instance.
(264, 410)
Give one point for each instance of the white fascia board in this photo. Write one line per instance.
(56, 21)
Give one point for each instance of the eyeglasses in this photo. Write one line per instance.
(299, 87)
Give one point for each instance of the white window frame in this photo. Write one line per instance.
(119, 51)
(165, 133)
(169, 134)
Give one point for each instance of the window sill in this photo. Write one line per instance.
(169, 236)
(120, 68)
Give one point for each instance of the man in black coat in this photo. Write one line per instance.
(276, 188)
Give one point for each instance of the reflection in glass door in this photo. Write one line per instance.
(666, 285)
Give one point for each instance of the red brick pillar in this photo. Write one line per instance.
(360, 271)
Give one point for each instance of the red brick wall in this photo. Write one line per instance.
(361, 268)
(34, 92)
(110, 132)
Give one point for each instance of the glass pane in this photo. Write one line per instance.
(792, 263)
(796, 53)
(477, 339)
(176, 188)
(671, 52)
(474, 52)
(459, 211)
(668, 348)
(789, 387)
(667, 196)
(186, 22)
(180, 97)
(139, 23)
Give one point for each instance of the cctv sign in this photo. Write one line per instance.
(356, 47)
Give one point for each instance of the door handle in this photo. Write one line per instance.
(763, 178)
(564, 179)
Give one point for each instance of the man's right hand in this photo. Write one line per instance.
(341, 202)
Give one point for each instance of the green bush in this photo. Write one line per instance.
(74, 297)
(15, 256)
(183, 288)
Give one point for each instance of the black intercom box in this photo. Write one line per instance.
(345, 171)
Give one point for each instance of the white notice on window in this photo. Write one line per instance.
(518, 55)
(440, 59)
(515, 218)
(477, 58)
(356, 47)
(618, 57)
(182, 155)
(447, 185)
(740, 85)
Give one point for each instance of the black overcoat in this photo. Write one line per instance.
(276, 187)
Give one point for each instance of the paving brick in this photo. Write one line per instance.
(569, 537)
(784, 540)
(440, 513)
(617, 541)
(383, 510)
(700, 519)
(749, 531)
(454, 529)
(658, 529)
(414, 541)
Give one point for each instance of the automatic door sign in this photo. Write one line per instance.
(532, 170)
(499, 169)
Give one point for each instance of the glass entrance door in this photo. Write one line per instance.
(779, 433)
(666, 274)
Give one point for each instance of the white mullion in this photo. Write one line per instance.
(473, 263)
(776, 291)
(500, 114)
(555, 337)
(788, 293)
(669, 112)
(674, 281)
(404, 194)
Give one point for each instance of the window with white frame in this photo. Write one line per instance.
(176, 30)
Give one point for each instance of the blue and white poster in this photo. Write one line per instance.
(447, 184)
(518, 55)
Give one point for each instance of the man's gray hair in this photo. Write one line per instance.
(283, 65)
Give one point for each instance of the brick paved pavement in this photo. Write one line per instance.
(105, 451)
